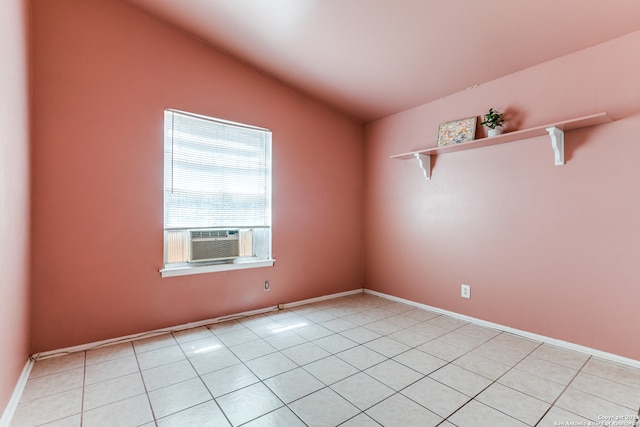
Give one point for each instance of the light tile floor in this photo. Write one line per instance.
(359, 360)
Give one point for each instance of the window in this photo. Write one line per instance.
(217, 194)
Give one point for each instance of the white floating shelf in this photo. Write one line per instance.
(554, 130)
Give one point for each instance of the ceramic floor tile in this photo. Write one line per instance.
(481, 365)
(360, 335)
(165, 375)
(282, 314)
(478, 414)
(615, 392)
(72, 421)
(533, 385)
(240, 336)
(48, 409)
(394, 374)
(461, 380)
(213, 361)
(279, 418)
(284, 340)
(162, 356)
(420, 361)
(53, 365)
(252, 349)
(614, 372)
(436, 397)
(52, 384)
(271, 365)
(335, 343)
(226, 326)
(110, 391)
(330, 369)
(500, 353)
(516, 343)
(192, 334)
(109, 352)
(402, 321)
(378, 312)
(360, 319)
(442, 350)
(338, 325)
(323, 408)
(560, 417)
(387, 346)
(478, 331)
(409, 337)
(319, 316)
(463, 341)
(256, 320)
(446, 322)
(361, 357)
(420, 314)
(206, 414)
(174, 398)
(559, 356)
(397, 307)
(591, 407)
(382, 327)
(153, 343)
(428, 330)
(360, 420)
(293, 385)
(549, 370)
(523, 407)
(313, 332)
(400, 411)
(201, 345)
(229, 379)
(248, 403)
(130, 412)
(111, 369)
(399, 364)
(362, 390)
(266, 330)
(305, 353)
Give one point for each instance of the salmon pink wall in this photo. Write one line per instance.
(547, 249)
(14, 195)
(103, 73)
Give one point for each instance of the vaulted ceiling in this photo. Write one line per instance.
(373, 58)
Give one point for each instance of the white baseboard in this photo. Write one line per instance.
(560, 343)
(323, 298)
(7, 415)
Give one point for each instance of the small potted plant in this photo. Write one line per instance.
(494, 121)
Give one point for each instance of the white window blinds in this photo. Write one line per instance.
(217, 173)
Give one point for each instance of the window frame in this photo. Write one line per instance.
(243, 262)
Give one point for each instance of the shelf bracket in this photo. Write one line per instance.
(557, 143)
(424, 160)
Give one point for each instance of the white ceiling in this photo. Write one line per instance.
(372, 58)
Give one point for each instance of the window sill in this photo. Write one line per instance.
(212, 268)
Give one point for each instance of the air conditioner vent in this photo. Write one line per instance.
(213, 245)
(204, 234)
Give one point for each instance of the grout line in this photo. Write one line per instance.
(144, 384)
(84, 378)
(562, 392)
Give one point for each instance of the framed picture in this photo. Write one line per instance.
(457, 131)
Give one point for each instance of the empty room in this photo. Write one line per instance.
(319, 213)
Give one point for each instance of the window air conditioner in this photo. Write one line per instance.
(213, 245)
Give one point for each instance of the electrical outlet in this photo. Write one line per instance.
(267, 285)
(465, 291)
